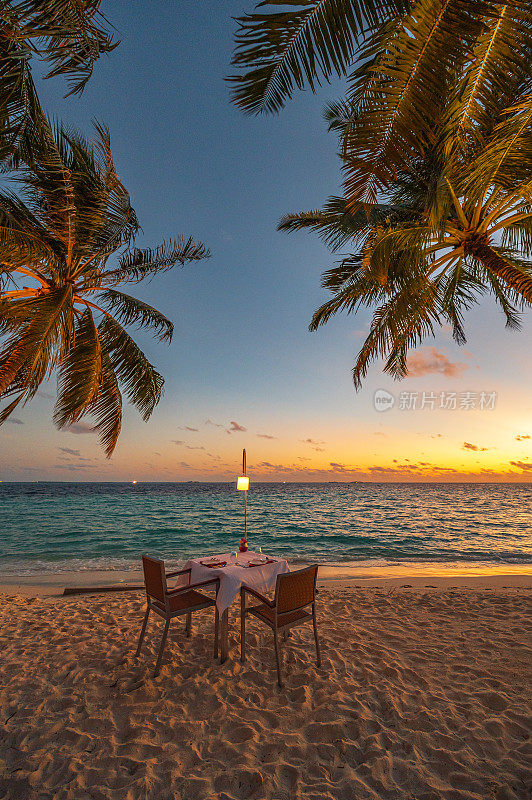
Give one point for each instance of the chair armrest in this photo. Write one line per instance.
(256, 594)
(194, 586)
(178, 572)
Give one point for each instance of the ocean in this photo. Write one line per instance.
(54, 527)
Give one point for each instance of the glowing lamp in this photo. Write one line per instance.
(242, 484)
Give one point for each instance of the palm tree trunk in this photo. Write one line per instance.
(511, 275)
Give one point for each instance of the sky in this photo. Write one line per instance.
(243, 370)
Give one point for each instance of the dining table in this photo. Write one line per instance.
(256, 570)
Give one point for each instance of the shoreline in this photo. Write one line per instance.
(415, 575)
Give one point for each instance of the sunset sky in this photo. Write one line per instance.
(243, 369)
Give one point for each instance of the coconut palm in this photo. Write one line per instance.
(404, 62)
(67, 35)
(68, 234)
(436, 145)
(452, 229)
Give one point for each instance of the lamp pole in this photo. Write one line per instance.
(242, 484)
(245, 498)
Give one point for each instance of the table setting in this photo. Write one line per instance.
(242, 567)
(235, 569)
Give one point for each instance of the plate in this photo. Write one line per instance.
(213, 562)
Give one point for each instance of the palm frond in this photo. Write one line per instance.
(518, 236)
(301, 43)
(129, 310)
(498, 69)
(401, 93)
(338, 224)
(504, 157)
(353, 289)
(8, 410)
(140, 380)
(79, 374)
(511, 302)
(66, 34)
(516, 273)
(107, 407)
(139, 264)
(42, 341)
(399, 324)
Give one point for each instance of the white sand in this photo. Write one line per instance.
(422, 695)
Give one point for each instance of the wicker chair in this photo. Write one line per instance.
(170, 603)
(294, 593)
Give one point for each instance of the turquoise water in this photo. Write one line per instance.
(56, 526)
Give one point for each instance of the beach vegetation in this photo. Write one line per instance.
(435, 141)
(454, 228)
(67, 247)
(66, 37)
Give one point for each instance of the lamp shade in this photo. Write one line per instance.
(242, 483)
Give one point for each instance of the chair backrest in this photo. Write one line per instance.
(154, 578)
(296, 589)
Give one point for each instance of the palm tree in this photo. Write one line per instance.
(68, 35)
(436, 146)
(58, 234)
(451, 229)
(404, 61)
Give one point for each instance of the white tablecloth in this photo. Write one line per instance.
(233, 577)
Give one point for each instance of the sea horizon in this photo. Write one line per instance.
(269, 483)
(70, 526)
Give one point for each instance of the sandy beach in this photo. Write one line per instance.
(423, 694)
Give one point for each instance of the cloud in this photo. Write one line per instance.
(79, 427)
(177, 441)
(526, 466)
(428, 361)
(45, 395)
(189, 447)
(521, 437)
(187, 428)
(74, 467)
(436, 435)
(276, 467)
(474, 447)
(236, 428)
(14, 421)
(314, 444)
(214, 424)
(69, 452)
(337, 467)
(266, 436)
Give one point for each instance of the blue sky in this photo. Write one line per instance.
(242, 352)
